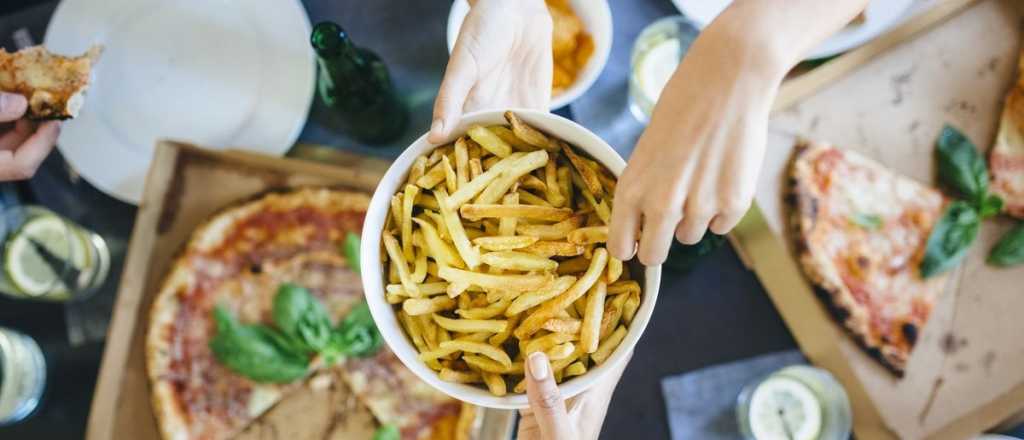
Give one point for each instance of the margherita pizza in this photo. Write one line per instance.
(860, 232)
(237, 260)
(1006, 160)
(54, 85)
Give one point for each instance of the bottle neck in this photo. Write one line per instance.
(335, 49)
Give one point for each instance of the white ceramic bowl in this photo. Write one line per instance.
(597, 20)
(373, 276)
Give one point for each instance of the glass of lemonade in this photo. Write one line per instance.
(48, 257)
(22, 376)
(798, 402)
(657, 51)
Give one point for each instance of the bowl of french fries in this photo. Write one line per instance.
(581, 42)
(480, 251)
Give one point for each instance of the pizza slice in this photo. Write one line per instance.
(1006, 160)
(860, 232)
(53, 84)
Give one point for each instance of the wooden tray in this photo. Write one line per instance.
(185, 185)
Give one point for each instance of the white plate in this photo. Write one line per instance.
(212, 72)
(880, 16)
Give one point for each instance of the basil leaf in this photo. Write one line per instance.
(387, 432)
(300, 316)
(1010, 249)
(356, 335)
(866, 221)
(254, 351)
(990, 206)
(351, 249)
(950, 238)
(961, 167)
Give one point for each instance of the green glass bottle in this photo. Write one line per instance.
(355, 83)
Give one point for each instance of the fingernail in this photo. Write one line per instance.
(437, 126)
(539, 366)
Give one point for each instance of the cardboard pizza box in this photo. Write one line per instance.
(184, 186)
(965, 374)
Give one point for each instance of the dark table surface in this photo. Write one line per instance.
(717, 313)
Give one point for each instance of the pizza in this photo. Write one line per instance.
(860, 232)
(54, 85)
(237, 260)
(1006, 160)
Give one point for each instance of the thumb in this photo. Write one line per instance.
(12, 106)
(545, 401)
(459, 79)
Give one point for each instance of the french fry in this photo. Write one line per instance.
(489, 141)
(393, 272)
(396, 209)
(491, 366)
(426, 306)
(556, 231)
(432, 177)
(623, 286)
(562, 325)
(575, 369)
(612, 315)
(455, 289)
(438, 249)
(527, 133)
(531, 199)
(629, 307)
(489, 161)
(504, 242)
(507, 225)
(419, 271)
(565, 185)
(400, 264)
(495, 384)
(489, 351)
(509, 176)
(587, 174)
(545, 311)
(614, 270)
(449, 375)
(411, 191)
(470, 325)
(601, 208)
(608, 345)
(560, 351)
(591, 329)
(450, 179)
(427, 201)
(429, 330)
(473, 148)
(466, 250)
(533, 183)
(554, 249)
(432, 273)
(435, 157)
(500, 338)
(480, 183)
(475, 169)
(487, 312)
(510, 138)
(512, 260)
(473, 337)
(574, 265)
(545, 342)
(607, 181)
(520, 387)
(435, 354)
(533, 298)
(392, 298)
(588, 235)
(419, 166)
(517, 283)
(426, 289)
(461, 162)
(552, 190)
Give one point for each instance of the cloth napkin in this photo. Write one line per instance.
(701, 404)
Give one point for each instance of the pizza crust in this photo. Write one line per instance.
(1006, 160)
(805, 202)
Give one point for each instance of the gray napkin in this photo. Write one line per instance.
(701, 404)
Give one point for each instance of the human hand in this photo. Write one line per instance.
(502, 58)
(23, 143)
(549, 418)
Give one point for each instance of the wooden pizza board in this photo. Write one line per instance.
(965, 375)
(184, 186)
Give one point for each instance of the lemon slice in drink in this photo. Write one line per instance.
(27, 270)
(656, 67)
(783, 408)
